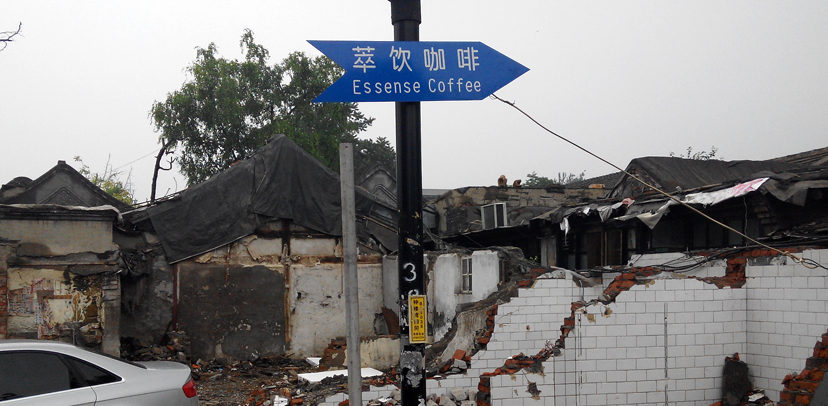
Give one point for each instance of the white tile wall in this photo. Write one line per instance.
(773, 322)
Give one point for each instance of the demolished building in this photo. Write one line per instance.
(662, 298)
(249, 263)
(251, 259)
(59, 261)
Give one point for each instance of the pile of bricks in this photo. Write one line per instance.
(389, 378)
(334, 355)
(799, 389)
(263, 397)
(459, 362)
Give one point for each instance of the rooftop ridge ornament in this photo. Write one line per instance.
(413, 71)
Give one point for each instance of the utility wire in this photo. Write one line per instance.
(806, 263)
(132, 162)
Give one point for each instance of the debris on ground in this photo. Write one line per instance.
(267, 381)
(175, 346)
(736, 385)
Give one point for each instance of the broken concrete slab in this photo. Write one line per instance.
(459, 394)
(314, 377)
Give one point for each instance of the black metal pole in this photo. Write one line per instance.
(406, 17)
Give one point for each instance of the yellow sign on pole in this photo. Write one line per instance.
(418, 331)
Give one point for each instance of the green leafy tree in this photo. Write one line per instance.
(110, 182)
(369, 152)
(229, 108)
(535, 180)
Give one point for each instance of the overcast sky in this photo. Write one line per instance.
(623, 79)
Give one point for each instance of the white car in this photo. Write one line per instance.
(36, 372)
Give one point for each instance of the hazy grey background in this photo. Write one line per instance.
(622, 78)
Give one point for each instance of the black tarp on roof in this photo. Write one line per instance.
(668, 173)
(794, 189)
(281, 181)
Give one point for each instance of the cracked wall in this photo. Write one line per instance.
(281, 291)
(5, 251)
(651, 337)
(317, 304)
(60, 278)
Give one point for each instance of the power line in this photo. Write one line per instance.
(132, 162)
(808, 264)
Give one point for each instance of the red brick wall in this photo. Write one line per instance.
(800, 389)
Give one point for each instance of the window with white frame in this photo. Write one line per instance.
(494, 215)
(466, 275)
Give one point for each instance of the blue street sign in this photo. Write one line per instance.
(401, 71)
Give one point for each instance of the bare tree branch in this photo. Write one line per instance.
(171, 161)
(161, 153)
(8, 36)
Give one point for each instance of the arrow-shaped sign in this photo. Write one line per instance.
(402, 71)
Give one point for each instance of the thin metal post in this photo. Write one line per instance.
(349, 264)
(406, 18)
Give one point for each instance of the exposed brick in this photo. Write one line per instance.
(805, 386)
(799, 389)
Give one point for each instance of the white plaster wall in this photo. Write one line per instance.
(62, 237)
(485, 274)
(317, 305)
(380, 353)
(265, 249)
(445, 281)
(787, 312)
(313, 246)
(390, 284)
(443, 300)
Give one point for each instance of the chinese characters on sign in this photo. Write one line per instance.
(418, 332)
(366, 63)
(434, 59)
(416, 71)
(467, 58)
(400, 58)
